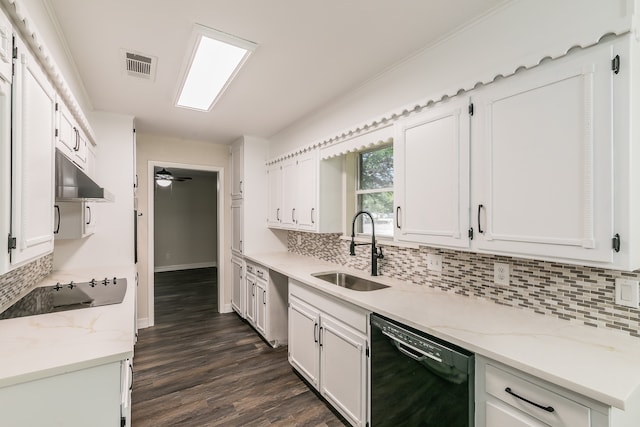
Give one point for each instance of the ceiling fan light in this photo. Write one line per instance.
(162, 182)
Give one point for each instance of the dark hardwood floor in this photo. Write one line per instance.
(197, 367)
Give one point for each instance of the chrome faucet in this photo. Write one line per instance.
(375, 255)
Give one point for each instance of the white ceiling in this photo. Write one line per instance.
(309, 53)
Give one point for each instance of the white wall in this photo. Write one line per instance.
(520, 34)
(186, 216)
(112, 242)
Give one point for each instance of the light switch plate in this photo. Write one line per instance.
(434, 262)
(501, 274)
(628, 293)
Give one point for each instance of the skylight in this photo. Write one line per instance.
(214, 62)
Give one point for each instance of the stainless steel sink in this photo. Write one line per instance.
(350, 282)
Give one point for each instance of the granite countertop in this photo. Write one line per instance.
(40, 346)
(601, 364)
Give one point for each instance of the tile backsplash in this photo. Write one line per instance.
(18, 282)
(576, 293)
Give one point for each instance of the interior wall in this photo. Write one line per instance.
(520, 33)
(186, 218)
(161, 148)
(112, 242)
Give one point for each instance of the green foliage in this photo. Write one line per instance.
(376, 168)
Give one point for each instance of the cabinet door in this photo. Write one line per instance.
(499, 415)
(431, 162)
(307, 191)
(238, 287)
(92, 159)
(80, 154)
(237, 171)
(544, 155)
(274, 201)
(126, 387)
(5, 47)
(90, 218)
(304, 329)
(261, 306)
(67, 140)
(250, 291)
(32, 160)
(343, 369)
(289, 193)
(236, 226)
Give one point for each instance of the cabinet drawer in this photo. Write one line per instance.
(565, 413)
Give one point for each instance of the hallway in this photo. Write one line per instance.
(197, 367)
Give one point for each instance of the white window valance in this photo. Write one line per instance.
(361, 142)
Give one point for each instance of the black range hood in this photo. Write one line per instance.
(73, 185)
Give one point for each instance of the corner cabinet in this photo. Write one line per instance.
(544, 143)
(97, 396)
(328, 346)
(305, 193)
(33, 140)
(431, 162)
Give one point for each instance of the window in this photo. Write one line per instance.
(374, 190)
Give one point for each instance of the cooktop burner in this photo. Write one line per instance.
(68, 296)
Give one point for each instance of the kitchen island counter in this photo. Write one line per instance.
(45, 345)
(597, 363)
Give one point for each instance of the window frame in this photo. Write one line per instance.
(357, 191)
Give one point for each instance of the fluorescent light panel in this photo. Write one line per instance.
(216, 59)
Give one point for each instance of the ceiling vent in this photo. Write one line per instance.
(139, 65)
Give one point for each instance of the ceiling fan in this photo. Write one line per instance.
(164, 178)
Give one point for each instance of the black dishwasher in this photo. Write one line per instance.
(417, 379)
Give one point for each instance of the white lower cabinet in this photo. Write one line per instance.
(98, 396)
(328, 347)
(238, 286)
(506, 397)
(266, 303)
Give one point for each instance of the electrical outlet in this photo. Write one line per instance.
(627, 293)
(434, 262)
(501, 273)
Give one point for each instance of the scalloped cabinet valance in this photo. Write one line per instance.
(23, 22)
(482, 52)
(358, 143)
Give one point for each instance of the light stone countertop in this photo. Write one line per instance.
(601, 364)
(45, 345)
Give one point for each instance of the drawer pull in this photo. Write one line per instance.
(546, 408)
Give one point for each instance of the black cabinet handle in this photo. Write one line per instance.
(320, 337)
(312, 212)
(131, 367)
(398, 217)
(616, 242)
(88, 208)
(546, 408)
(278, 214)
(264, 297)
(58, 215)
(480, 230)
(293, 215)
(315, 332)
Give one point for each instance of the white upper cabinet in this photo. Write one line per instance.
(431, 163)
(70, 138)
(6, 55)
(543, 143)
(305, 193)
(237, 170)
(274, 197)
(33, 142)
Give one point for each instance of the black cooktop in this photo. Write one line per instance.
(68, 296)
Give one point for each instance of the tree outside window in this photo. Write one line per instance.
(374, 190)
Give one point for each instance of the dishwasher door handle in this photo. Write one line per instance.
(402, 348)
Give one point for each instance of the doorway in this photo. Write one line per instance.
(186, 217)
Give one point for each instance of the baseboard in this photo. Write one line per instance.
(226, 309)
(185, 266)
(143, 323)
